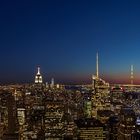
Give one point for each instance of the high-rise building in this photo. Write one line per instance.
(38, 77)
(90, 129)
(11, 133)
(96, 80)
(100, 97)
(117, 94)
(127, 122)
(87, 105)
(21, 116)
(52, 83)
(53, 120)
(113, 123)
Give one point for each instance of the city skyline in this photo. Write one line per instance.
(63, 38)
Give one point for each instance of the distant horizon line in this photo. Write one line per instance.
(66, 83)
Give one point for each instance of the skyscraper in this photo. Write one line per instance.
(52, 83)
(38, 77)
(11, 133)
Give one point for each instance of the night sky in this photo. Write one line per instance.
(63, 36)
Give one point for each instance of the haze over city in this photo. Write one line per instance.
(62, 37)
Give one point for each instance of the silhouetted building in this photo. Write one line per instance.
(127, 124)
(90, 129)
(113, 127)
(11, 133)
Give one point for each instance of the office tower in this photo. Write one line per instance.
(96, 80)
(90, 129)
(21, 116)
(69, 126)
(100, 98)
(136, 134)
(53, 120)
(11, 133)
(38, 77)
(47, 85)
(127, 124)
(117, 94)
(88, 109)
(87, 105)
(113, 123)
(52, 83)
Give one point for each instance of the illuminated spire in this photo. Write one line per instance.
(97, 66)
(132, 74)
(38, 71)
(38, 77)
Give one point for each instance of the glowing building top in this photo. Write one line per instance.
(96, 80)
(38, 77)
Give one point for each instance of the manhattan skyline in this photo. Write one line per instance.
(63, 37)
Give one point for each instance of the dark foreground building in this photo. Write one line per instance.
(90, 129)
(11, 133)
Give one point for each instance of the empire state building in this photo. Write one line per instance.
(38, 77)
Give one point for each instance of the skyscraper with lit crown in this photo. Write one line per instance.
(38, 77)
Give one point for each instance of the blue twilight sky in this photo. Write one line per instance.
(63, 36)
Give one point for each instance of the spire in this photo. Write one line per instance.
(132, 74)
(38, 71)
(97, 66)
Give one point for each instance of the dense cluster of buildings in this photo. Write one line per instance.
(41, 111)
